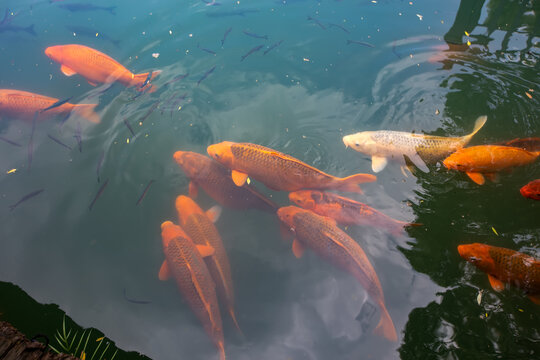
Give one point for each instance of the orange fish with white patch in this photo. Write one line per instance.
(488, 160)
(200, 228)
(23, 105)
(279, 171)
(346, 211)
(184, 261)
(505, 266)
(215, 180)
(97, 67)
(322, 235)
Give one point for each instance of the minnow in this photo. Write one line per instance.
(321, 234)
(275, 45)
(78, 136)
(255, 49)
(31, 141)
(531, 190)
(56, 104)
(317, 22)
(10, 141)
(363, 43)
(100, 191)
(256, 36)
(150, 111)
(207, 50)
(419, 148)
(279, 171)
(487, 160)
(129, 127)
(206, 74)
(177, 78)
(505, 266)
(99, 163)
(341, 27)
(225, 36)
(8, 27)
(144, 192)
(59, 142)
(231, 13)
(87, 7)
(142, 302)
(25, 197)
(91, 33)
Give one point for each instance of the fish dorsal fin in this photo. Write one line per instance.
(193, 190)
(476, 177)
(239, 178)
(378, 163)
(205, 250)
(297, 248)
(495, 283)
(67, 71)
(164, 272)
(214, 213)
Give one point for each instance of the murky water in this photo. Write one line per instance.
(299, 97)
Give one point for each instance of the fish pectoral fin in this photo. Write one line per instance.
(91, 83)
(193, 190)
(67, 71)
(476, 177)
(417, 161)
(164, 272)
(239, 178)
(535, 299)
(214, 213)
(495, 283)
(493, 177)
(205, 250)
(286, 232)
(297, 248)
(378, 163)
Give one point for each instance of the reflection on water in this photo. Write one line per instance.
(301, 97)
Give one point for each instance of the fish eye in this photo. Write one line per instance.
(357, 143)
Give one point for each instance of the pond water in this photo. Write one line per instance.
(337, 67)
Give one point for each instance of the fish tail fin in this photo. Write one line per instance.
(30, 30)
(87, 111)
(221, 348)
(351, 183)
(139, 79)
(349, 42)
(385, 327)
(233, 317)
(479, 123)
(111, 9)
(401, 226)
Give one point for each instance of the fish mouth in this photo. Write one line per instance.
(346, 141)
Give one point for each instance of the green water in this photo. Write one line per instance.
(300, 98)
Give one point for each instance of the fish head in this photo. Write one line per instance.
(222, 153)
(192, 163)
(286, 215)
(362, 142)
(457, 161)
(306, 199)
(55, 53)
(170, 231)
(477, 254)
(185, 207)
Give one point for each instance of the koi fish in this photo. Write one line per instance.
(346, 211)
(487, 160)
(385, 144)
(279, 171)
(531, 190)
(184, 261)
(322, 235)
(95, 66)
(505, 266)
(529, 144)
(199, 226)
(23, 105)
(216, 181)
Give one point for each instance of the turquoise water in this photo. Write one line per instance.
(300, 98)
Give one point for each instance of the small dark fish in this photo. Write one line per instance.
(360, 43)
(272, 47)
(100, 162)
(100, 191)
(59, 142)
(78, 136)
(10, 141)
(147, 80)
(129, 127)
(56, 104)
(317, 22)
(341, 27)
(177, 78)
(255, 49)
(91, 33)
(150, 111)
(144, 192)
(211, 3)
(256, 36)
(206, 74)
(31, 142)
(207, 50)
(225, 36)
(6, 18)
(87, 7)
(25, 197)
(231, 13)
(394, 50)
(14, 28)
(142, 302)
(177, 102)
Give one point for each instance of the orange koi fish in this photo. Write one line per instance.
(96, 67)
(531, 144)
(346, 211)
(322, 235)
(184, 261)
(23, 105)
(477, 161)
(531, 190)
(279, 171)
(216, 181)
(200, 228)
(505, 266)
